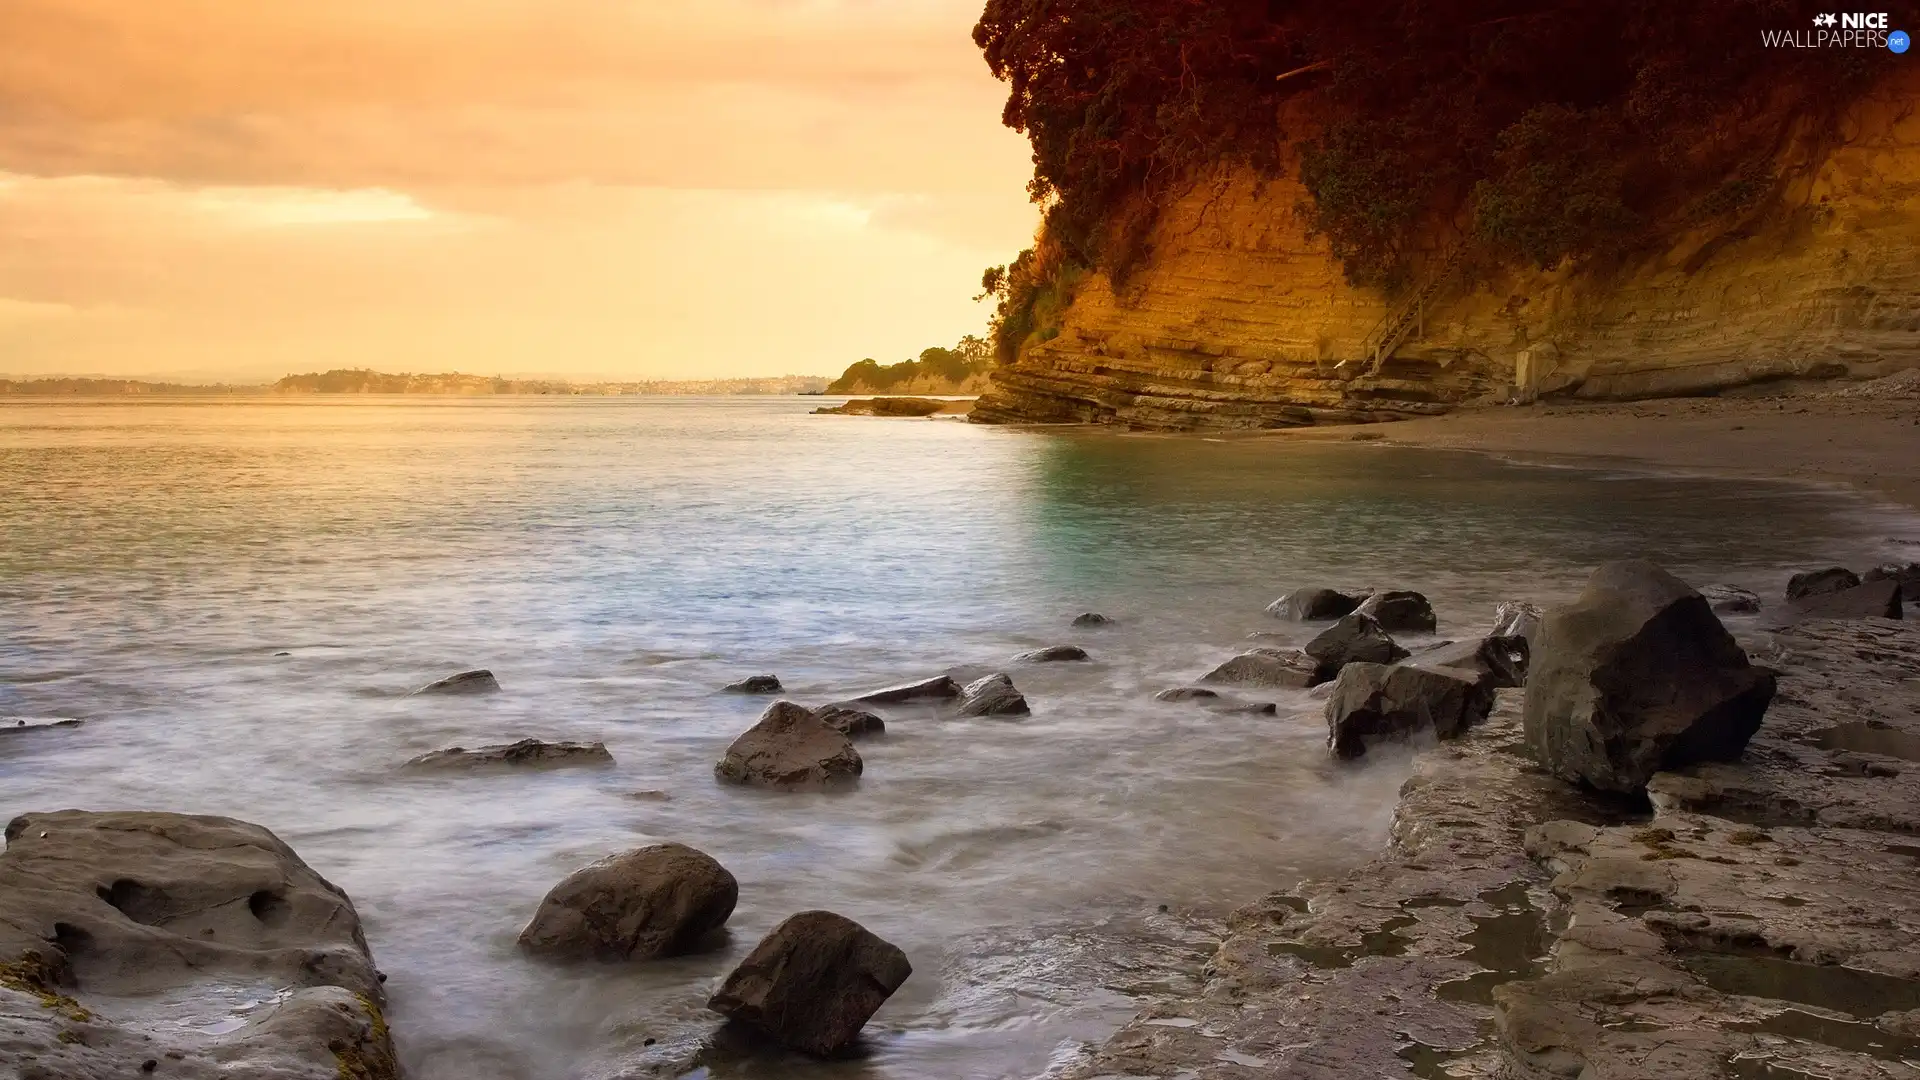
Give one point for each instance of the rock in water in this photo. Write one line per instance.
(1907, 574)
(1874, 600)
(1313, 605)
(938, 688)
(789, 749)
(655, 901)
(1187, 693)
(1091, 619)
(1283, 668)
(478, 681)
(849, 721)
(129, 904)
(1374, 703)
(1355, 639)
(992, 696)
(754, 684)
(1730, 600)
(1400, 611)
(1636, 676)
(1816, 582)
(1491, 663)
(525, 754)
(813, 982)
(1516, 618)
(1053, 654)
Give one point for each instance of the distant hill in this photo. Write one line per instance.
(63, 387)
(960, 370)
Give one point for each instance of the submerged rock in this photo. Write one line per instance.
(789, 749)
(938, 688)
(1187, 693)
(1517, 618)
(1356, 639)
(1730, 600)
(1373, 703)
(36, 723)
(1635, 676)
(131, 903)
(1817, 582)
(754, 684)
(656, 901)
(525, 754)
(813, 982)
(1873, 600)
(1313, 605)
(1400, 611)
(1280, 668)
(993, 695)
(478, 681)
(1091, 619)
(1053, 654)
(849, 721)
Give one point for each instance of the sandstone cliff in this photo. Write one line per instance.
(1240, 319)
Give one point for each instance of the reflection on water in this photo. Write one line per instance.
(236, 596)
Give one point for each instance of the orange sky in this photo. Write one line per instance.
(620, 188)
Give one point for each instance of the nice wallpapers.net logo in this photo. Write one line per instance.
(1842, 30)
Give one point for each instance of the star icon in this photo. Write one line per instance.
(1824, 20)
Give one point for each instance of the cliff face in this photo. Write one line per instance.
(1239, 319)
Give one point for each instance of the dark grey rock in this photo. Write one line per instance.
(1187, 693)
(754, 684)
(849, 721)
(1635, 676)
(1374, 703)
(813, 982)
(788, 750)
(525, 754)
(1817, 582)
(938, 688)
(1356, 639)
(1280, 668)
(1492, 663)
(1907, 574)
(478, 681)
(1053, 654)
(656, 901)
(1730, 599)
(1516, 618)
(1091, 619)
(993, 695)
(1400, 611)
(1242, 708)
(1873, 600)
(1313, 605)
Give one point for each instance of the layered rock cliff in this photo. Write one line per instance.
(1240, 318)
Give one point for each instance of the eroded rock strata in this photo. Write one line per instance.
(1760, 918)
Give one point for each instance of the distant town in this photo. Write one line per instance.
(362, 381)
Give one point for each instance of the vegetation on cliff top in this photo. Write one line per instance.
(1551, 129)
(971, 357)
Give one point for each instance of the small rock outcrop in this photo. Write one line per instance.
(1872, 600)
(813, 982)
(1491, 663)
(1517, 618)
(849, 721)
(1053, 654)
(133, 903)
(1400, 611)
(1374, 703)
(656, 901)
(1730, 600)
(1313, 605)
(993, 695)
(1356, 639)
(525, 754)
(938, 688)
(1089, 619)
(1635, 676)
(789, 749)
(1280, 668)
(1818, 582)
(754, 684)
(478, 681)
(1907, 574)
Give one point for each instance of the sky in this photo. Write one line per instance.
(240, 189)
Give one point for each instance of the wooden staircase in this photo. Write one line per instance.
(1409, 317)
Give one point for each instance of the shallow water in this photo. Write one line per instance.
(615, 561)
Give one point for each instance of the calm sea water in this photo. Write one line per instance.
(616, 561)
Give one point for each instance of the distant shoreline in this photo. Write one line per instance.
(367, 383)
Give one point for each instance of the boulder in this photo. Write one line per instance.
(1491, 663)
(1091, 619)
(1373, 703)
(1282, 668)
(1313, 605)
(1635, 676)
(938, 688)
(849, 721)
(1053, 655)
(993, 695)
(754, 684)
(525, 754)
(129, 904)
(1516, 618)
(1873, 600)
(1817, 582)
(478, 681)
(1355, 639)
(663, 900)
(1730, 600)
(813, 982)
(789, 749)
(1400, 611)
(1187, 693)
(1907, 574)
